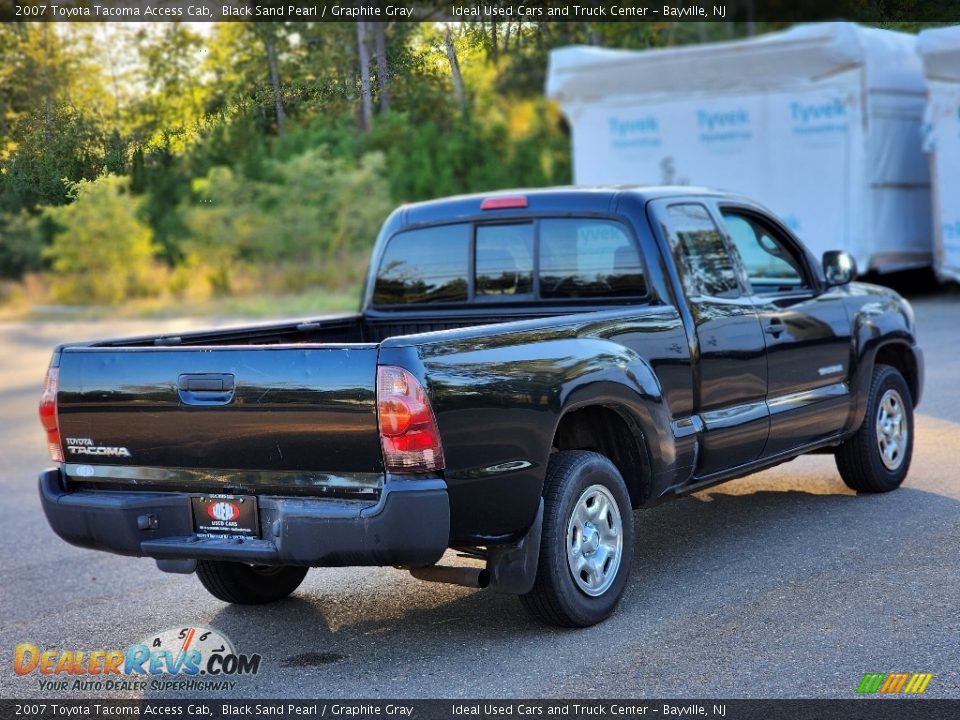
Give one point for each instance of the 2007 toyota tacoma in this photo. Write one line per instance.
(526, 370)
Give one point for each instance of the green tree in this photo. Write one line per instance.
(33, 172)
(21, 244)
(171, 55)
(102, 252)
(308, 213)
(41, 69)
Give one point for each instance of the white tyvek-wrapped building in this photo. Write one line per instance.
(940, 50)
(821, 123)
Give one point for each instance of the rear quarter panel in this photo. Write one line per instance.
(499, 393)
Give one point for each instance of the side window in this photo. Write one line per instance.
(588, 258)
(699, 248)
(424, 266)
(771, 267)
(504, 262)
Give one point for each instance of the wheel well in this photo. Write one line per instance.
(899, 356)
(604, 430)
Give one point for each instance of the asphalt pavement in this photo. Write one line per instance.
(783, 584)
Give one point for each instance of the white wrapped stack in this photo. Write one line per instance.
(821, 123)
(940, 50)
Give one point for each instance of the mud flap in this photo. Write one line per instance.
(513, 568)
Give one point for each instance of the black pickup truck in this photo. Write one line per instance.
(526, 370)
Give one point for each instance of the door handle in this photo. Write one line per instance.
(205, 388)
(775, 327)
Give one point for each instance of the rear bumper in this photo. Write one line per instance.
(408, 525)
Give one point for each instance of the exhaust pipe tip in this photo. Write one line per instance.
(463, 576)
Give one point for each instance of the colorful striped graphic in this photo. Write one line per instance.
(894, 683)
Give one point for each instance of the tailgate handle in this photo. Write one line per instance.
(205, 388)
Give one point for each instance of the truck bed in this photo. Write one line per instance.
(338, 329)
(270, 407)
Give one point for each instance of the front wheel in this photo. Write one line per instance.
(587, 542)
(876, 458)
(243, 584)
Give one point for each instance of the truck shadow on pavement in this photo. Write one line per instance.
(729, 554)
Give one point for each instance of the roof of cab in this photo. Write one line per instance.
(569, 199)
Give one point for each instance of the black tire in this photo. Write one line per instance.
(860, 459)
(558, 598)
(243, 584)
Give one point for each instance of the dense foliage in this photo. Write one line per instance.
(101, 250)
(162, 159)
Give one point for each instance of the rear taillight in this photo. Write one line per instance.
(48, 415)
(408, 430)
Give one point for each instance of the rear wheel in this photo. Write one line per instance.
(587, 541)
(244, 584)
(877, 458)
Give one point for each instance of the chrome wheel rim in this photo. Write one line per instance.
(594, 540)
(892, 433)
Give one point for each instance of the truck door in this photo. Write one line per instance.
(730, 368)
(806, 329)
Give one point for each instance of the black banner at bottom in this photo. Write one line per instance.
(860, 709)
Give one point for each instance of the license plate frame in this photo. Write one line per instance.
(225, 516)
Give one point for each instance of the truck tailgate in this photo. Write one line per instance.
(240, 417)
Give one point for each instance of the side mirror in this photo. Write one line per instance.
(839, 268)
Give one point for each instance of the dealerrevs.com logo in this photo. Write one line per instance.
(205, 658)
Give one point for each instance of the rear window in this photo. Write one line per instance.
(569, 258)
(588, 258)
(429, 265)
(504, 259)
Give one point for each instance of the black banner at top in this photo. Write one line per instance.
(479, 10)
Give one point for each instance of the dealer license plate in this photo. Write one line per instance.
(226, 516)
